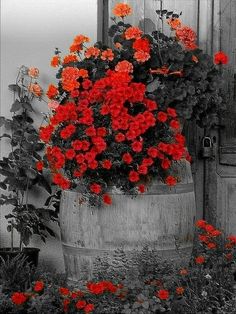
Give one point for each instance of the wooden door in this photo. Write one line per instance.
(220, 192)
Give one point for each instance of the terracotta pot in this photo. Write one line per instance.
(157, 218)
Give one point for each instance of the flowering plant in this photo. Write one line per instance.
(21, 168)
(115, 112)
(148, 285)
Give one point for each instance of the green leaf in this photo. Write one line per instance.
(50, 231)
(44, 183)
(27, 106)
(14, 88)
(31, 173)
(5, 135)
(3, 186)
(16, 106)
(11, 201)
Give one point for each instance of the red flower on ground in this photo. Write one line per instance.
(179, 290)
(38, 286)
(221, 58)
(18, 298)
(200, 260)
(64, 291)
(80, 304)
(89, 308)
(163, 294)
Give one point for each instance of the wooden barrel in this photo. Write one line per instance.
(158, 218)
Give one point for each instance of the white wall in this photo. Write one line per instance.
(30, 31)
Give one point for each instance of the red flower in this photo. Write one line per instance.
(107, 199)
(174, 124)
(70, 154)
(187, 36)
(179, 290)
(127, 158)
(93, 164)
(183, 272)
(142, 44)
(221, 58)
(152, 152)
(232, 239)
(95, 188)
(142, 169)
(215, 233)
(91, 131)
(106, 164)
(67, 132)
(141, 56)
(52, 91)
(201, 224)
(66, 303)
(165, 164)
(137, 146)
(147, 161)
(18, 298)
(180, 138)
(89, 308)
(162, 116)
(77, 145)
(80, 304)
(80, 158)
(87, 84)
(39, 165)
(171, 181)
(122, 9)
(209, 228)
(200, 260)
(45, 133)
(64, 291)
(163, 294)
(133, 176)
(38, 286)
(120, 137)
(133, 33)
(171, 112)
(101, 132)
(203, 238)
(59, 180)
(141, 188)
(211, 245)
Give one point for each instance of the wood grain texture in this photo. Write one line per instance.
(157, 220)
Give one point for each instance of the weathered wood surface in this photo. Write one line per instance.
(160, 218)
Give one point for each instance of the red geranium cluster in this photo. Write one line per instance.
(107, 128)
(111, 126)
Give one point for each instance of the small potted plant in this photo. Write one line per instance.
(21, 168)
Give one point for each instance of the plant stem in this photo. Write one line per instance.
(12, 235)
